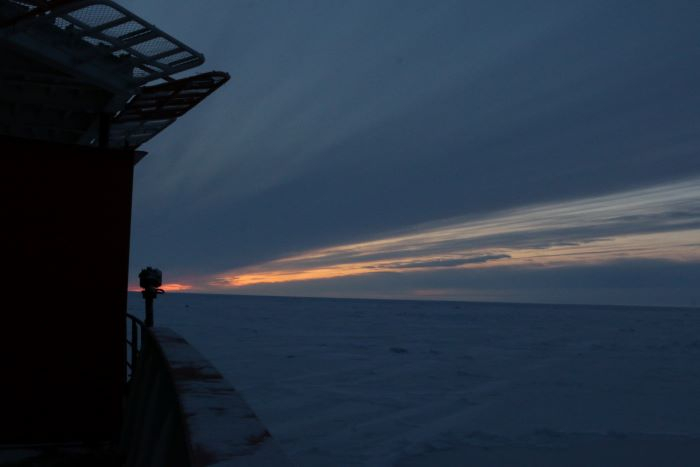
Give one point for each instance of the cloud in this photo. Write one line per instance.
(443, 262)
(621, 282)
(656, 223)
(176, 287)
(347, 122)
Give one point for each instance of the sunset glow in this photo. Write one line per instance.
(175, 287)
(170, 287)
(657, 223)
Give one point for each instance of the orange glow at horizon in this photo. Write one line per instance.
(597, 252)
(658, 223)
(169, 287)
(176, 287)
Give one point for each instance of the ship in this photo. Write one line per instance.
(83, 85)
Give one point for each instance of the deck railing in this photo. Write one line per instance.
(181, 412)
(134, 342)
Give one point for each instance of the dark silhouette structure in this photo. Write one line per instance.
(150, 279)
(83, 83)
(75, 104)
(67, 226)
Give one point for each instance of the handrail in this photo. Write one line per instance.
(134, 318)
(181, 412)
(134, 343)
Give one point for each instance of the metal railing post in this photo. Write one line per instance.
(135, 340)
(134, 345)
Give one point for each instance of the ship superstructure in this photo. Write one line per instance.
(83, 84)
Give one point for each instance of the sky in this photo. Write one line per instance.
(524, 151)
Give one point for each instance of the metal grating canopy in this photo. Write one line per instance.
(78, 71)
(110, 45)
(156, 107)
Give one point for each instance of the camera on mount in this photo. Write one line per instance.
(150, 278)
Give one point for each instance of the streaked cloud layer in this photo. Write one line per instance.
(659, 223)
(379, 140)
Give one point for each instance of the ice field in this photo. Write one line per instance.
(407, 383)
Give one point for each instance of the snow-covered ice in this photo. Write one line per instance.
(380, 383)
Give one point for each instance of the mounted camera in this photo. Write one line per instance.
(150, 279)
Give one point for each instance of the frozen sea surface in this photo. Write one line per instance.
(382, 383)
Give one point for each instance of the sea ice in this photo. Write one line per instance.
(406, 383)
